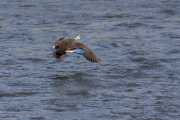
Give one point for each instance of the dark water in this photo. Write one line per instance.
(137, 40)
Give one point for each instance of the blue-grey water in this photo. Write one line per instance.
(138, 77)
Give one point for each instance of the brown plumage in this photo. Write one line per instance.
(64, 45)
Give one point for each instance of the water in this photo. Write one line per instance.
(137, 40)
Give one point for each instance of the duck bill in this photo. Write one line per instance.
(54, 46)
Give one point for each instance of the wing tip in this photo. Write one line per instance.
(95, 60)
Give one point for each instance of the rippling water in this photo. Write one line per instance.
(137, 40)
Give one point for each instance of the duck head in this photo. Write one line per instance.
(56, 44)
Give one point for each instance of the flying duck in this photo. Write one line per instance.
(64, 45)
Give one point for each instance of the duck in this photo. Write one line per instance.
(70, 45)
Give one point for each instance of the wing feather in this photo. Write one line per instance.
(89, 55)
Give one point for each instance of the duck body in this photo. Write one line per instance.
(64, 45)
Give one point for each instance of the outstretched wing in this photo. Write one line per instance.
(88, 54)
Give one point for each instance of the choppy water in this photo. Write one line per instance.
(137, 40)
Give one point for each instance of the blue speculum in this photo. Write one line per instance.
(79, 51)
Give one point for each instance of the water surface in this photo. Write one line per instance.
(138, 42)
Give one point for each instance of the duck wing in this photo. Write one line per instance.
(88, 54)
